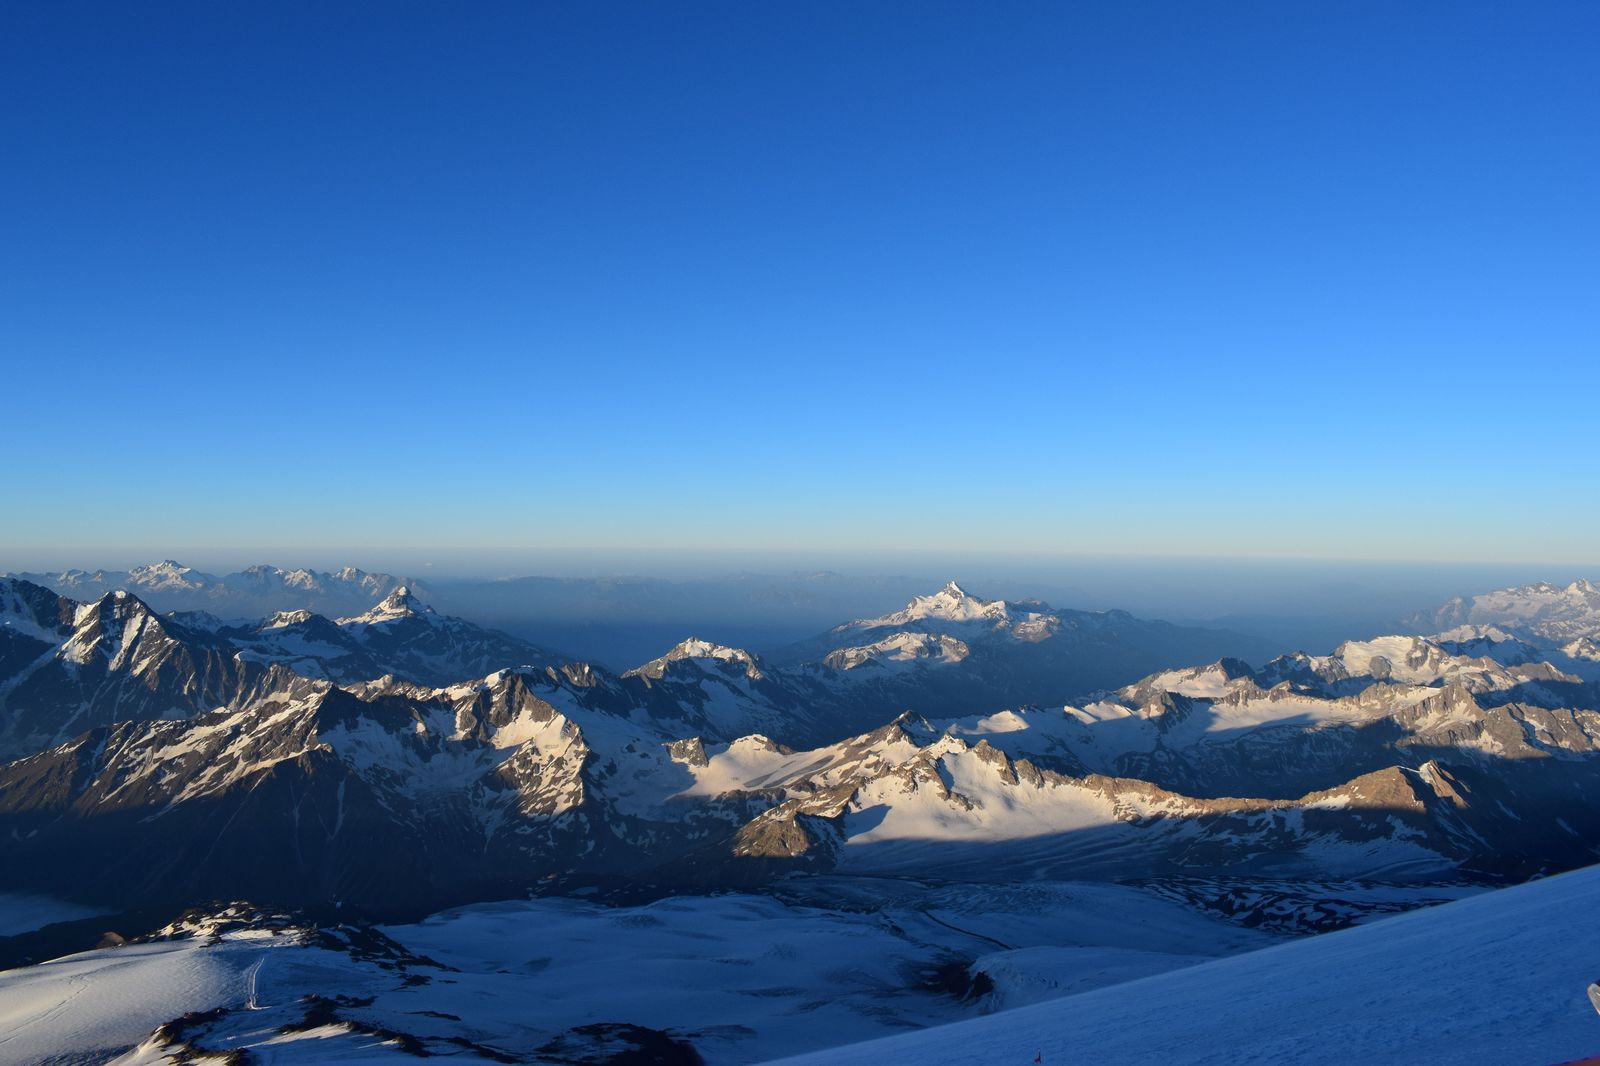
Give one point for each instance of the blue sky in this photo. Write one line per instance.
(1238, 279)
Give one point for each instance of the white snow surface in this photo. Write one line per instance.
(951, 604)
(83, 1007)
(748, 976)
(1554, 612)
(168, 576)
(955, 610)
(1494, 979)
(902, 650)
(694, 649)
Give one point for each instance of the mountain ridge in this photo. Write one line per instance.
(1397, 756)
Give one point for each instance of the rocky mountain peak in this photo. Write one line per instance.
(952, 603)
(695, 648)
(399, 604)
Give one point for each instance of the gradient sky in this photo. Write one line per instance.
(1281, 279)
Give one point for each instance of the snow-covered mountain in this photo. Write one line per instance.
(1554, 614)
(460, 793)
(951, 605)
(400, 636)
(1431, 754)
(948, 652)
(1392, 758)
(70, 666)
(952, 652)
(350, 580)
(250, 593)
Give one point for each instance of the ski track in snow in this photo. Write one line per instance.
(928, 914)
(250, 978)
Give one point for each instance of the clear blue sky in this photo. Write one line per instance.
(1273, 278)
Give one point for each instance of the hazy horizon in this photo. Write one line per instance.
(688, 563)
(640, 606)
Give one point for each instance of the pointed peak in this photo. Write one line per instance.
(1232, 668)
(954, 603)
(908, 726)
(400, 603)
(696, 648)
(118, 599)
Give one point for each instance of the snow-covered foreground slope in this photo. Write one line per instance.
(737, 978)
(86, 1007)
(1498, 979)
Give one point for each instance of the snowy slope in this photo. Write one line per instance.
(1495, 979)
(739, 977)
(86, 1007)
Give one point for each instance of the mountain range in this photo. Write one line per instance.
(1565, 617)
(248, 593)
(402, 760)
(72, 664)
